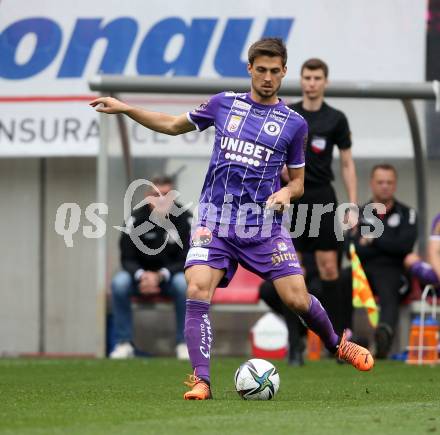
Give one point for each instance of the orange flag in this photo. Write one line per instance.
(362, 294)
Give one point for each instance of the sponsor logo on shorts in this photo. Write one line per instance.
(197, 254)
(202, 236)
(281, 257)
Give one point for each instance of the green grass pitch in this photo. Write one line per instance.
(144, 396)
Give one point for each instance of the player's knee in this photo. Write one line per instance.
(298, 302)
(197, 290)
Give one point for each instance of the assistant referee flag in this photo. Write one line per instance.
(362, 294)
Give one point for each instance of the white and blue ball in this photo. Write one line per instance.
(257, 379)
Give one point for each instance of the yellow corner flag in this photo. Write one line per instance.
(362, 294)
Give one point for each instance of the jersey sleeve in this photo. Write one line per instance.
(204, 116)
(435, 228)
(296, 150)
(342, 133)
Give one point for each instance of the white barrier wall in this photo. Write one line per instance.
(20, 255)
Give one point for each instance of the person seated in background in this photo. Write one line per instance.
(156, 269)
(383, 257)
(427, 272)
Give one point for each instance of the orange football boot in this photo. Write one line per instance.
(200, 390)
(356, 355)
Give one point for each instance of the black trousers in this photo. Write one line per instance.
(386, 281)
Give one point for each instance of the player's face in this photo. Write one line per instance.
(266, 74)
(383, 185)
(313, 83)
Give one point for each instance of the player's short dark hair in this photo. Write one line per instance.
(160, 180)
(271, 47)
(385, 167)
(314, 63)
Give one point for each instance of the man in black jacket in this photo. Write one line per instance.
(383, 257)
(152, 264)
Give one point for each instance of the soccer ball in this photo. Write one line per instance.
(257, 379)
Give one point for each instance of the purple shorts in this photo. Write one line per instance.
(269, 256)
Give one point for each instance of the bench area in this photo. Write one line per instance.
(234, 311)
(241, 295)
(155, 331)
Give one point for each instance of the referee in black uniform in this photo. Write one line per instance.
(327, 127)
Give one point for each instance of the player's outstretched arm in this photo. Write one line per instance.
(160, 122)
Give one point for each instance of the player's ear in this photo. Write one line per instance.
(249, 68)
(284, 71)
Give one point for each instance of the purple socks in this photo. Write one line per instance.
(198, 336)
(317, 320)
(424, 273)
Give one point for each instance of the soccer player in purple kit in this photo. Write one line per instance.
(427, 272)
(256, 134)
(434, 247)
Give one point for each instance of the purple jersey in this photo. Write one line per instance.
(252, 143)
(435, 228)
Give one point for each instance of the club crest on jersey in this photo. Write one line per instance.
(234, 123)
(272, 128)
(318, 144)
